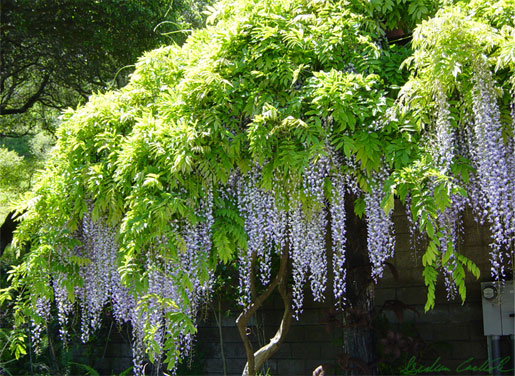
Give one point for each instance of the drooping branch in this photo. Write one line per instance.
(256, 360)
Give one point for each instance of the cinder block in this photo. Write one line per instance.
(276, 301)
(466, 349)
(328, 351)
(208, 334)
(296, 333)
(401, 223)
(408, 260)
(284, 352)
(122, 350)
(436, 316)
(294, 367)
(316, 334)
(273, 317)
(452, 332)
(383, 294)
(403, 242)
(234, 350)
(475, 237)
(476, 331)
(465, 313)
(231, 334)
(213, 366)
(305, 351)
(477, 253)
(228, 321)
(235, 366)
(311, 316)
(309, 302)
(412, 295)
(213, 349)
(410, 276)
(426, 331)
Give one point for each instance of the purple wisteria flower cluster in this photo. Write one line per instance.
(339, 236)
(493, 161)
(265, 226)
(380, 234)
(304, 224)
(102, 285)
(491, 189)
(43, 311)
(316, 225)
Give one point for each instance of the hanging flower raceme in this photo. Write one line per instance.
(491, 157)
(198, 246)
(510, 147)
(339, 236)
(42, 309)
(380, 234)
(416, 237)
(476, 199)
(98, 246)
(300, 257)
(316, 224)
(64, 307)
(250, 207)
(450, 223)
(254, 205)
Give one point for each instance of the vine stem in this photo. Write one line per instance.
(218, 318)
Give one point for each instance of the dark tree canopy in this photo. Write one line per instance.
(58, 52)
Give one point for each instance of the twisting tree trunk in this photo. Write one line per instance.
(358, 335)
(255, 360)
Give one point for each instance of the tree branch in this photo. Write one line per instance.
(30, 102)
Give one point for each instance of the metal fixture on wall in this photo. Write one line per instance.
(498, 319)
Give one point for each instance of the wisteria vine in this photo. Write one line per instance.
(285, 159)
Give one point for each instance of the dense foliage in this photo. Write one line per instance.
(237, 144)
(76, 45)
(54, 54)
